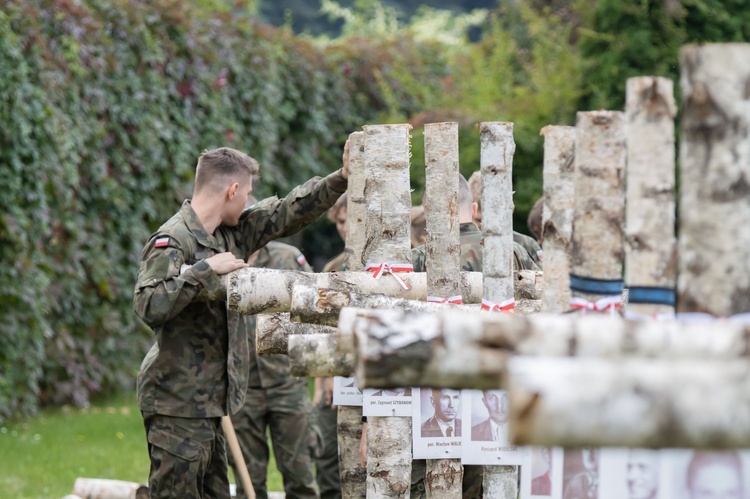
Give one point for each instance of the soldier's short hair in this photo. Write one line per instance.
(333, 211)
(534, 221)
(418, 226)
(222, 164)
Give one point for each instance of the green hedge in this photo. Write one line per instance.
(105, 106)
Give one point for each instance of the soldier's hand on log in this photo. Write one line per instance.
(345, 160)
(223, 263)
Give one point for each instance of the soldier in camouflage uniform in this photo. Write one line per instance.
(530, 245)
(471, 260)
(275, 401)
(197, 370)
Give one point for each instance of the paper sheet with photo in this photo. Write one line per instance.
(541, 475)
(485, 429)
(387, 402)
(436, 423)
(346, 392)
(701, 473)
(630, 474)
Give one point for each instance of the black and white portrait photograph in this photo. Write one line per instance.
(630, 473)
(485, 422)
(581, 473)
(346, 392)
(705, 474)
(436, 426)
(542, 476)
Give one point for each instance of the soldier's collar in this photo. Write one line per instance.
(196, 227)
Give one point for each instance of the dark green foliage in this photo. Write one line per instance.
(643, 37)
(106, 106)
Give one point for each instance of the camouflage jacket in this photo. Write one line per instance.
(267, 371)
(530, 245)
(198, 367)
(471, 252)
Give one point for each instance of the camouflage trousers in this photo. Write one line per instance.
(188, 457)
(285, 411)
(327, 465)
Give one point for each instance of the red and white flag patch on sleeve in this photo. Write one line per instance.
(162, 242)
(301, 260)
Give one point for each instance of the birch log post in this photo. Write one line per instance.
(273, 332)
(317, 355)
(557, 216)
(696, 403)
(262, 291)
(650, 243)
(387, 228)
(496, 164)
(352, 474)
(714, 246)
(443, 477)
(397, 348)
(355, 204)
(596, 250)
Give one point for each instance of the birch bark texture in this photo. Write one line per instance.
(273, 332)
(352, 475)
(650, 243)
(318, 355)
(557, 216)
(596, 250)
(715, 179)
(316, 305)
(496, 164)
(630, 402)
(443, 477)
(398, 348)
(355, 204)
(387, 194)
(387, 229)
(496, 159)
(262, 291)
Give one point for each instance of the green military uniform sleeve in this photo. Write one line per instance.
(273, 218)
(162, 291)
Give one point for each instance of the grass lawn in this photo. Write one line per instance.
(41, 457)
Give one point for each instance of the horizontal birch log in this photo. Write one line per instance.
(456, 349)
(273, 331)
(256, 290)
(102, 488)
(654, 403)
(318, 305)
(317, 355)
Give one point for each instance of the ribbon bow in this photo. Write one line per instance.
(390, 268)
(606, 303)
(504, 306)
(455, 300)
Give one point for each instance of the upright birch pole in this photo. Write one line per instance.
(597, 241)
(443, 477)
(387, 223)
(353, 475)
(714, 275)
(496, 165)
(650, 243)
(557, 217)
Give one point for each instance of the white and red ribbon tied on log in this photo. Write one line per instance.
(611, 303)
(390, 268)
(454, 300)
(505, 306)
